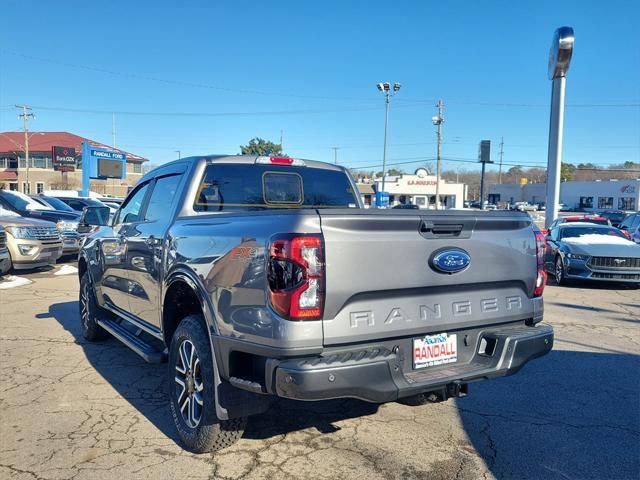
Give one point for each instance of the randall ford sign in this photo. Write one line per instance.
(63, 159)
(107, 154)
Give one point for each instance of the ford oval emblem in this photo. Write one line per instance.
(450, 260)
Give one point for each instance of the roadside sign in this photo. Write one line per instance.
(382, 199)
(101, 163)
(63, 159)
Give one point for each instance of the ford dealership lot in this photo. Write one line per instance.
(71, 409)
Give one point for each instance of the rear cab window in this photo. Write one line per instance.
(249, 187)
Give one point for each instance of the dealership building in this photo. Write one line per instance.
(590, 196)
(42, 175)
(416, 189)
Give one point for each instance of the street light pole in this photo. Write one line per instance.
(559, 60)
(386, 89)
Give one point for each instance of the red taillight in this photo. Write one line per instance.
(541, 277)
(626, 234)
(296, 277)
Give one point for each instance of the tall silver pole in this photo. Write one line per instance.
(556, 124)
(384, 151)
(559, 61)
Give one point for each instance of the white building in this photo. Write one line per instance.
(594, 196)
(420, 189)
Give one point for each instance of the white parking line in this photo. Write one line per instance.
(11, 281)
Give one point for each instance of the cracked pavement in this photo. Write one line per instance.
(74, 410)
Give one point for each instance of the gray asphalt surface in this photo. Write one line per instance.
(74, 410)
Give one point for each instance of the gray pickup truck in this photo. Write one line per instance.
(257, 277)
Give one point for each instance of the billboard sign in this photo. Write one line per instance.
(63, 159)
(101, 163)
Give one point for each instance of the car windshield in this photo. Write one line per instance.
(597, 221)
(57, 204)
(22, 202)
(615, 216)
(576, 232)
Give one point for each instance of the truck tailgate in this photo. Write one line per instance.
(381, 283)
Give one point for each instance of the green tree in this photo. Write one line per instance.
(566, 171)
(259, 146)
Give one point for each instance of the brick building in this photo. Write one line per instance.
(41, 175)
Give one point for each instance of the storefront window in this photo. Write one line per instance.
(586, 202)
(420, 201)
(137, 168)
(39, 187)
(605, 202)
(626, 203)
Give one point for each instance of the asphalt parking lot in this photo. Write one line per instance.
(71, 409)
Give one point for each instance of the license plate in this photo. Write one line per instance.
(433, 350)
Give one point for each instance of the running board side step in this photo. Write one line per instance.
(146, 351)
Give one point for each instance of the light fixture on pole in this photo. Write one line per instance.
(389, 91)
(559, 60)
(438, 120)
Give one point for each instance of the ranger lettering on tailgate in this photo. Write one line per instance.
(432, 312)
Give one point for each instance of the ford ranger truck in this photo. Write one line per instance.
(261, 277)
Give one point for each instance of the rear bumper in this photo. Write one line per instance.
(380, 374)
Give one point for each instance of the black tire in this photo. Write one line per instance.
(559, 271)
(89, 312)
(197, 391)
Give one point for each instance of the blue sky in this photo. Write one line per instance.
(310, 69)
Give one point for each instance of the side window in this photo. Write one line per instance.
(554, 234)
(131, 209)
(162, 196)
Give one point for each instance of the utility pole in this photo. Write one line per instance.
(438, 121)
(335, 154)
(26, 113)
(281, 145)
(179, 153)
(501, 155)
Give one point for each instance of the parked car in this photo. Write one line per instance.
(594, 219)
(591, 252)
(405, 206)
(26, 206)
(630, 224)
(31, 243)
(252, 273)
(78, 203)
(524, 207)
(615, 216)
(5, 258)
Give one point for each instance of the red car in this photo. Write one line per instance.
(597, 219)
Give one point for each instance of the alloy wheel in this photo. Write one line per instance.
(189, 386)
(559, 270)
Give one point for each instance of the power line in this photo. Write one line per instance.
(175, 82)
(213, 114)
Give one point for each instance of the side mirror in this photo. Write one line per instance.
(93, 217)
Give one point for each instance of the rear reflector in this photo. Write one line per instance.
(280, 161)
